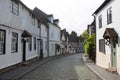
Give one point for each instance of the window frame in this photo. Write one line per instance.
(109, 15)
(102, 45)
(100, 21)
(15, 43)
(4, 43)
(14, 7)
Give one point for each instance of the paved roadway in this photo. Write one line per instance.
(68, 67)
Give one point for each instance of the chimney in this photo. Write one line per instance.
(56, 22)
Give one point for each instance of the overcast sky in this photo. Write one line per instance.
(74, 15)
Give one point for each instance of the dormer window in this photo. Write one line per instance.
(50, 18)
(109, 16)
(14, 7)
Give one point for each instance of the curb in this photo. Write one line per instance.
(96, 73)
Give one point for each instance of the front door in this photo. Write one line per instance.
(113, 55)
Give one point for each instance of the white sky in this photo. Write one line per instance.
(74, 15)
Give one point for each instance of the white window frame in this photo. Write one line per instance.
(109, 15)
(14, 7)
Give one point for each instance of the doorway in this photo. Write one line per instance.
(113, 55)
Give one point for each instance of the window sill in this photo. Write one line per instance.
(13, 52)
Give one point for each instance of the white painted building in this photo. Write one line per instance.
(25, 34)
(16, 22)
(108, 35)
(43, 30)
(54, 36)
(50, 33)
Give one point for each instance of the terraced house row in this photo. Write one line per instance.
(26, 34)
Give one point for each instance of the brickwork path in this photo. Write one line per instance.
(63, 68)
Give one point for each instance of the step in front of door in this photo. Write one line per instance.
(113, 70)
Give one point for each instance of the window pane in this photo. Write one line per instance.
(102, 45)
(14, 7)
(100, 21)
(34, 43)
(2, 42)
(14, 42)
(109, 16)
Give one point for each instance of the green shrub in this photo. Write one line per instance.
(90, 46)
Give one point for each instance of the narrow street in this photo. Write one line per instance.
(64, 68)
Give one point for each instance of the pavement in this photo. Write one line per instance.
(99, 71)
(21, 71)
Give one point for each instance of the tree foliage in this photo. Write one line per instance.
(89, 47)
(85, 35)
(73, 33)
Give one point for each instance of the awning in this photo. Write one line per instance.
(26, 34)
(110, 33)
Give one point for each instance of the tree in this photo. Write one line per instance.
(73, 33)
(85, 35)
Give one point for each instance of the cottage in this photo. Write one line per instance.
(54, 36)
(50, 33)
(25, 34)
(19, 33)
(108, 35)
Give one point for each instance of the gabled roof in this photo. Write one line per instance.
(41, 16)
(102, 6)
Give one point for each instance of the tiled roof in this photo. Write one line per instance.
(41, 16)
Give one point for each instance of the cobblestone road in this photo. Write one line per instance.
(63, 68)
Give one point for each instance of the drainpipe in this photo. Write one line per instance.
(48, 39)
(95, 34)
(39, 41)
